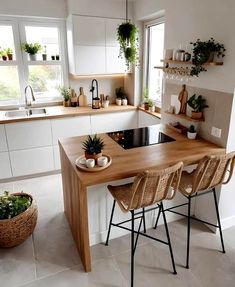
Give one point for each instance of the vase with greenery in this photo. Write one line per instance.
(18, 217)
(204, 51)
(191, 133)
(66, 94)
(93, 146)
(127, 35)
(197, 104)
(32, 49)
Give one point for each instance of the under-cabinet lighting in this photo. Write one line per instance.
(97, 76)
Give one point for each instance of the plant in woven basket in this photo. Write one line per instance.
(18, 218)
(93, 146)
(11, 205)
(197, 104)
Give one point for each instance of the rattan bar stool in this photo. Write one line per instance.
(149, 187)
(211, 172)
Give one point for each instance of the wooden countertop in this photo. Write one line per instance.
(127, 163)
(60, 112)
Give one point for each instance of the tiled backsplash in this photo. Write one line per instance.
(217, 115)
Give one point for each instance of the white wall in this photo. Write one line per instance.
(39, 8)
(187, 20)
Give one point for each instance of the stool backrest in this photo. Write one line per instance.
(212, 171)
(153, 186)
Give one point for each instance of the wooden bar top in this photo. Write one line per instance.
(127, 163)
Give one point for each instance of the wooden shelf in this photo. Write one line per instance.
(184, 117)
(190, 63)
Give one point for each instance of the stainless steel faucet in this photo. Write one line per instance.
(28, 103)
(95, 99)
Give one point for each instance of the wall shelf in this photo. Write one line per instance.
(190, 63)
(184, 117)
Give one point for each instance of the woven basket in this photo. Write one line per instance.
(16, 230)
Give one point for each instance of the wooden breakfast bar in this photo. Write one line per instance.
(125, 164)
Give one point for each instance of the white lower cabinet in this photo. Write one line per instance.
(3, 140)
(114, 122)
(56, 152)
(70, 127)
(146, 120)
(5, 167)
(31, 161)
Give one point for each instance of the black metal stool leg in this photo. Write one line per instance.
(144, 221)
(218, 219)
(110, 223)
(158, 216)
(168, 238)
(132, 247)
(188, 231)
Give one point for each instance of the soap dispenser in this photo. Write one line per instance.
(95, 98)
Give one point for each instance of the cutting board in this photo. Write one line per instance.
(82, 99)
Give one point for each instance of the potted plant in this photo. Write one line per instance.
(191, 133)
(9, 53)
(146, 99)
(66, 94)
(197, 104)
(93, 147)
(32, 49)
(127, 35)
(3, 55)
(18, 218)
(120, 94)
(44, 54)
(204, 51)
(57, 57)
(151, 106)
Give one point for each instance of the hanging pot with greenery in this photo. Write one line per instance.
(127, 36)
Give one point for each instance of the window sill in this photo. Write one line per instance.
(155, 114)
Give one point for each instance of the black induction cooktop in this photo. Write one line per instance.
(140, 137)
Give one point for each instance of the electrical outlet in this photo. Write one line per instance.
(215, 132)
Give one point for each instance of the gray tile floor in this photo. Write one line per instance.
(49, 257)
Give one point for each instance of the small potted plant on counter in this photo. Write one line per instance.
(191, 133)
(120, 94)
(197, 104)
(32, 49)
(151, 106)
(3, 55)
(66, 94)
(44, 54)
(9, 53)
(93, 147)
(18, 218)
(146, 99)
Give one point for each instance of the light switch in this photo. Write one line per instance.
(216, 132)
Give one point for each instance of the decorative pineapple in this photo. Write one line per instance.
(93, 147)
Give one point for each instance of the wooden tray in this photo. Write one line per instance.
(95, 168)
(178, 128)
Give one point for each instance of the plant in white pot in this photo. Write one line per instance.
(197, 104)
(32, 49)
(191, 133)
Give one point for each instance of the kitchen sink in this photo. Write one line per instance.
(25, 113)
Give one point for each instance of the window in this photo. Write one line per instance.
(154, 47)
(44, 75)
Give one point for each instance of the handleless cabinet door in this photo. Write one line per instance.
(3, 140)
(146, 120)
(5, 167)
(26, 135)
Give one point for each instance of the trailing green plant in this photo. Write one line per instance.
(201, 53)
(192, 129)
(66, 93)
(12, 205)
(197, 103)
(93, 145)
(127, 35)
(120, 93)
(31, 48)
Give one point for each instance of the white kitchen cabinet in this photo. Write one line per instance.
(26, 135)
(70, 127)
(3, 140)
(114, 122)
(93, 49)
(32, 161)
(146, 119)
(5, 167)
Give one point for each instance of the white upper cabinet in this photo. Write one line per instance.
(92, 46)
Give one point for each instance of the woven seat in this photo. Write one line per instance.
(149, 187)
(211, 172)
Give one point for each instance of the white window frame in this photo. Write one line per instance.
(18, 25)
(147, 24)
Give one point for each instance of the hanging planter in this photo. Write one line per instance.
(127, 37)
